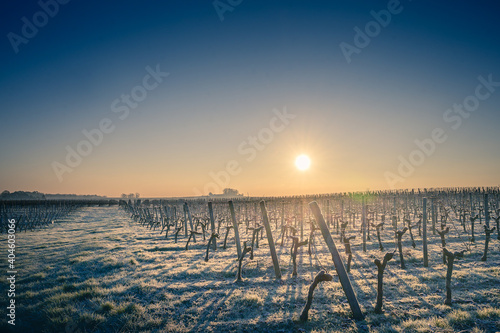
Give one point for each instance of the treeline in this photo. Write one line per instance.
(35, 195)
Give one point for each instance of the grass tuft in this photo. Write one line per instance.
(69, 287)
(106, 307)
(459, 318)
(488, 313)
(88, 293)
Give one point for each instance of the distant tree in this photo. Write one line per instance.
(23, 195)
(137, 195)
(131, 196)
(124, 196)
(230, 192)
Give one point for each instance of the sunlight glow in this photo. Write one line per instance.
(302, 162)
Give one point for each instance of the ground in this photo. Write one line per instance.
(100, 271)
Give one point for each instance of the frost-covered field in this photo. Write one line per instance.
(99, 270)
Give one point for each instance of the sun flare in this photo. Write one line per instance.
(302, 162)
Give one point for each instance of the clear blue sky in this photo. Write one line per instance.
(225, 79)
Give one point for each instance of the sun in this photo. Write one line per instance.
(302, 162)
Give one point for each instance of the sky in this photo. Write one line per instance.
(182, 98)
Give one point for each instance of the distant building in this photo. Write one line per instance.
(226, 193)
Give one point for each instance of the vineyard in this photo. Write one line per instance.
(396, 261)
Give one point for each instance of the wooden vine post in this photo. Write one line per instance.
(424, 233)
(282, 215)
(270, 240)
(311, 237)
(339, 265)
(364, 223)
(212, 226)
(301, 220)
(472, 218)
(190, 218)
(235, 227)
(433, 217)
(185, 220)
(486, 211)
(341, 214)
(328, 217)
(395, 220)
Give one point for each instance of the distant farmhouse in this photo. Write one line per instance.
(226, 193)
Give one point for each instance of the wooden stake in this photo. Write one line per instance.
(363, 226)
(212, 225)
(235, 226)
(486, 211)
(270, 240)
(424, 233)
(339, 265)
